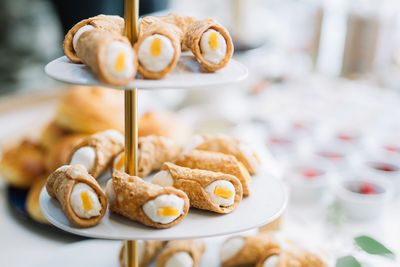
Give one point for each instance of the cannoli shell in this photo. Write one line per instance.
(32, 205)
(192, 40)
(152, 247)
(193, 182)
(132, 193)
(227, 145)
(92, 47)
(216, 162)
(106, 149)
(153, 25)
(59, 185)
(253, 249)
(194, 248)
(114, 24)
(182, 22)
(286, 259)
(154, 151)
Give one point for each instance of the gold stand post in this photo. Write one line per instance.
(131, 15)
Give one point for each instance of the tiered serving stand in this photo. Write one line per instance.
(268, 196)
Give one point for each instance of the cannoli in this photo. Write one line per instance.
(79, 194)
(158, 47)
(206, 190)
(153, 151)
(181, 253)
(242, 250)
(146, 250)
(182, 22)
(110, 56)
(279, 258)
(20, 165)
(95, 152)
(210, 43)
(52, 133)
(216, 162)
(227, 145)
(114, 24)
(147, 203)
(90, 110)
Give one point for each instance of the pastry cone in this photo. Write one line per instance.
(206, 190)
(114, 24)
(95, 152)
(158, 47)
(147, 203)
(147, 250)
(181, 253)
(210, 43)
(227, 145)
(216, 162)
(109, 55)
(32, 200)
(242, 250)
(79, 194)
(153, 152)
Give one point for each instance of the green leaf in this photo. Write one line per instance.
(371, 246)
(347, 261)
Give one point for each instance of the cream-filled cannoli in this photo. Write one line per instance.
(227, 145)
(181, 253)
(210, 43)
(153, 151)
(217, 162)
(242, 250)
(287, 258)
(158, 47)
(147, 203)
(110, 56)
(114, 24)
(206, 190)
(146, 250)
(182, 22)
(79, 194)
(95, 152)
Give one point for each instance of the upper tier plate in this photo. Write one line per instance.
(186, 74)
(267, 201)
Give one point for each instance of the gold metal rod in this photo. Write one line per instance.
(131, 15)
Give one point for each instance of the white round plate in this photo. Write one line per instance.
(105, 253)
(186, 74)
(267, 201)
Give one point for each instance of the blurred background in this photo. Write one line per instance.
(322, 101)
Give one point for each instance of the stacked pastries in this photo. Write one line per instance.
(99, 43)
(208, 180)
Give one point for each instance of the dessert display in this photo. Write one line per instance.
(147, 251)
(96, 152)
(144, 202)
(99, 43)
(181, 253)
(153, 152)
(81, 197)
(246, 250)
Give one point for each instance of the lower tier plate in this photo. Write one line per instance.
(267, 201)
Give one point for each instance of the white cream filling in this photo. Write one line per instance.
(77, 205)
(231, 247)
(156, 63)
(114, 134)
(220, 201)
(163, 178)
(79, 33)
(151, 207)
(249, 154)
(112, 53)
(110, 192)
(64, 167)
(179, 259)
(213, 55)
(194, 142)
(271, 261)
(85, 156)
